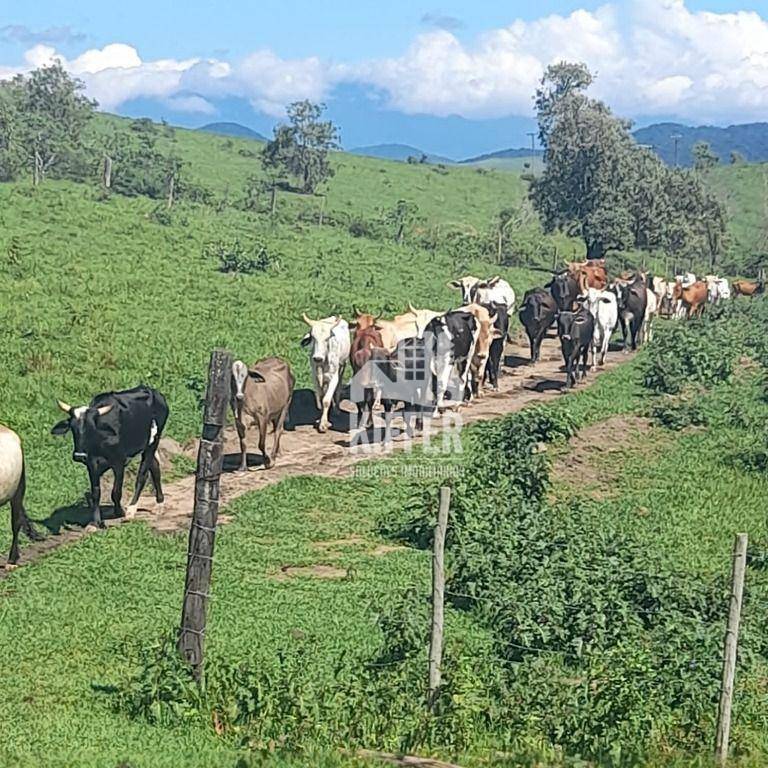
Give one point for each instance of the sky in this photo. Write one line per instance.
(455, 78)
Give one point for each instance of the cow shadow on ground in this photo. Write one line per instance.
(545, 385)
(516, 361)
(76, 514)
(303, 411)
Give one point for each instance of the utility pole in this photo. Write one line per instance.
(676, 138)
(532, 134)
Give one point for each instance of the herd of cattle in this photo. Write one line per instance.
(427, 360)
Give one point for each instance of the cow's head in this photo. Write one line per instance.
(565, 321)
(320, 332)
(468, 286)
(241, 374)
(563, 288)
(80, 421)
(364, 320)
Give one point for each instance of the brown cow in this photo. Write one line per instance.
(590, 274)
(261, 393)
(693, 297)
(486, 333)
(747, 288)
(367, 342)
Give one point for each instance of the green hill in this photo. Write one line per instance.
(401, 152)
(232, 129)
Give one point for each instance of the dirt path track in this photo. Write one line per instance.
(304, 451)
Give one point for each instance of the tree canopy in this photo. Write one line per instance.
(601, 186)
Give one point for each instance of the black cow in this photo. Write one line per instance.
(115, 427)
(537, 314)
(496, 351)
(575, 330)
(451, 345)
(632, 299)
(564, 288)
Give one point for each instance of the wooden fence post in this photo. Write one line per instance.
(729, 649)
(202, 530)
(438, 597)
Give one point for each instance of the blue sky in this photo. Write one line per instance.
(458, 75)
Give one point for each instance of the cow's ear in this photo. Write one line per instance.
(454, 284)
(490, 283)
(61, 428)
(306, 339)
(256, 376)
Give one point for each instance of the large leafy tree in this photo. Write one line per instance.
(703, 156)
(301, 148)
(584, 189)
(43, 120)
(601, 186)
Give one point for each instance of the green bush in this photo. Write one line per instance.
(236, 257)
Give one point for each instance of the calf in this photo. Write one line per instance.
(261, 395)
(604, 309)
(632, 300)
(575, 330)
(496, 351)
(366, 341)
(452, 338)
(12, 488)
(537, 314)
(114, 428)
(590, 274)
(486, 334)
(328, 342)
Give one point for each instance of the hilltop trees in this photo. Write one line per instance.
(600, 186)
(301, 147)
(703, 156)
(43, 117)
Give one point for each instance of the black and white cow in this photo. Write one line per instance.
(632, 300)
(501, 324)
(537, 314)
(111, 430)
(452, 338)
(575, 330)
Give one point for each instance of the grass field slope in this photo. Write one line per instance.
(589, 547)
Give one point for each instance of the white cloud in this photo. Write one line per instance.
(651, 57)
(192, 103)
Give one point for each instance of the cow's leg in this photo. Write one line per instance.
(141, 478)
(584, 355)
(241, 432)
(531, 344)
(538, 339)
(17, 515)
(117, 489)
(337, 388)
(154, 471)
(317, 386)
(328, 397)
(94, 476)
(387, 421)
(263, 424)
(279, 426)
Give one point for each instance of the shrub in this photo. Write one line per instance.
(235, 257)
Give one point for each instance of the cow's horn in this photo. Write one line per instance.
(411, 308)
(104, 410)
(306, 319)
(64, 407)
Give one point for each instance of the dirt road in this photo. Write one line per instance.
(304, 451)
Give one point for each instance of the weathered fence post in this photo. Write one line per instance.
(438, 597)
(202, 530)
(729, 649)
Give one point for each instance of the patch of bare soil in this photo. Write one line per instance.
(592, 460)
(318, 571)
(304, 451)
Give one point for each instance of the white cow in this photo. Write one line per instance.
(651, 309)
(603, 307)
(12, 488)
(723, 289)
(718, 289)
(328, 342)
(491, 291)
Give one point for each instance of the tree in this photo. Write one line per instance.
(584, 189)
(301, 148)
(51, 115)
(737, 158)
(703, 156)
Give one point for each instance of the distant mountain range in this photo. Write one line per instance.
(749, 140)
(399, 152)
(232, 129)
